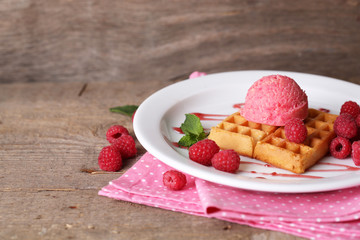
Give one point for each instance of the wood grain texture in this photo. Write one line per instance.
(104, 40)
(49, 179)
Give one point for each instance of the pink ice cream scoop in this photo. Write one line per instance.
(273, 100)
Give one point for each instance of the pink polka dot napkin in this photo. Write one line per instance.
(326, 215)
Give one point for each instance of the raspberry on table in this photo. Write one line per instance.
(295, 130)
(202, 151)
(351, 108)
(345, 126)
(174, 180)
(226, 161)
(340, 147)
(115, 132)
(110, 159)
(355, 153)
(126, 146)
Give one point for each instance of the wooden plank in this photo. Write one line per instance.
(47, 125)
(97, 40)
(50, 139)
(83, 215)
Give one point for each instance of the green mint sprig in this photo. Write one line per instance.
(127, 110)
(193, 131)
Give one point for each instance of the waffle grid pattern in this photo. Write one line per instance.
(319, 126)
(269, 144)
(236, 133)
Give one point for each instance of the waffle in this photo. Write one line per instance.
(236, 133)
(269, 144)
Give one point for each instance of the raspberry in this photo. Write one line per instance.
(110, 159)
(226, 160)
(295, 130)
(202, 151)
(351, 108)
(340, 147)
(357, 137)
(345, 126)
(355, 153)
(174, 180)
(115, 132)
(126, 145)
(357, 120)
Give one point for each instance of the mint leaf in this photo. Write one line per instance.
(202, 136)
(127, 110)
(192, 125)
(193, 131)
(187, 140)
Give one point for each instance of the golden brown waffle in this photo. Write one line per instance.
(236, 133)
(269, 144)
(278, 151)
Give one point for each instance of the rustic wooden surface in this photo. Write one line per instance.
(107, 40)
(123, 51)
(50, 140)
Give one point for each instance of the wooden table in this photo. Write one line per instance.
(51, 134)
(65, 63)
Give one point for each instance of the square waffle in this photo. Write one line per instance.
(269, 144)
(278, 151)
(236, 133)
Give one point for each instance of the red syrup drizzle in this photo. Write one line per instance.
(177, 129)
(344, 169)
(291, 175)
(208, 117)
(275, 173)
(324, 110)
(238, 105)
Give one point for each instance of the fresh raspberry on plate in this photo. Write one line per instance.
(355, 153)
(351, 108)
(110, 159)
(357, 137)
(357, 120)
(345, 126)
(295, 130)
(202, 151)
(126, 145)
(340, 147)
(174, 180)
(115, 132)
(226, 161)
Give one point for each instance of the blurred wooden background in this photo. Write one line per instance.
(142, 40)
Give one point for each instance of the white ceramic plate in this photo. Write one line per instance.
(158, 117)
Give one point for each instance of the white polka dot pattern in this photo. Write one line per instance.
(327, 215)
